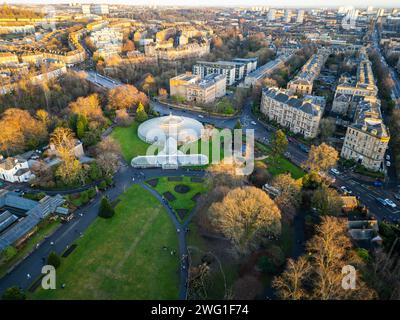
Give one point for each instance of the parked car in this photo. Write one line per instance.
(381, 201)
(253, 123)
(334, 171)
(200, 116)
(387, 157)
(390, 203)
(387, 163)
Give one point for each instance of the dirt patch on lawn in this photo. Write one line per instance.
(182, 213)
(174, 178)
(182, 188)
(169, 196)
(152, 182)
(196, 197)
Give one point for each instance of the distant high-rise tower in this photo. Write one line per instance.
(300, 16)
(100, 9)
(85, 8)
(287, 16)
(380, 12)
(271, 15)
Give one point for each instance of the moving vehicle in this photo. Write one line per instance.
(378, 183)
(200, 116)
(387, 163)
(390, 203)
(334, 171)
(253, 123)
(381, 201)
(304, 148)
(345, 190)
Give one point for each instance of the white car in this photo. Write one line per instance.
(200, 116)
(390, 203)
(253, 123)
(387, 157)
(335, 171)
(387, 163)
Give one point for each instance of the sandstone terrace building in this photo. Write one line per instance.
(349, 94)
(301, 116)
(367, 138)
(192, 88)
(303, 83)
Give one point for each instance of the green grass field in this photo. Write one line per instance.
(280, 164)
(122, 257)
(183, 200)
(131, 145)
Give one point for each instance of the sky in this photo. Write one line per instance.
(230, 3)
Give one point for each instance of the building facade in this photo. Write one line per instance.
(367, 139)
(193, 88)
(303, 82)
(301, 116)
(349, 94)
(14, 169)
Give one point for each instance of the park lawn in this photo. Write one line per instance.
(43, 231)
(280, 164)
(183, 200)
(129, 141)
(122, 257)
(218, 279)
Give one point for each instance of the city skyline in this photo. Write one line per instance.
(226, 3)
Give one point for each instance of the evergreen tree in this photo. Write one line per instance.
(106, 210)
(53, 259)
(141, 114)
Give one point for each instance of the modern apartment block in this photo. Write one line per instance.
(195, 89)
(303, 83)
(349, 94)
(204, 68)
(234, 70)
(367, 138)
(250, 64)
(300, 116)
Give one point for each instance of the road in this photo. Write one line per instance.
(69, 232)
(366, 192)
(393, 73)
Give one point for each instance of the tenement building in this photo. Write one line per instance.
(193, 88)
(367, 138)
(303, 83)
(349, 94)
(300, 116)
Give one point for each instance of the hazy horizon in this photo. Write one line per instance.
(226, 3)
